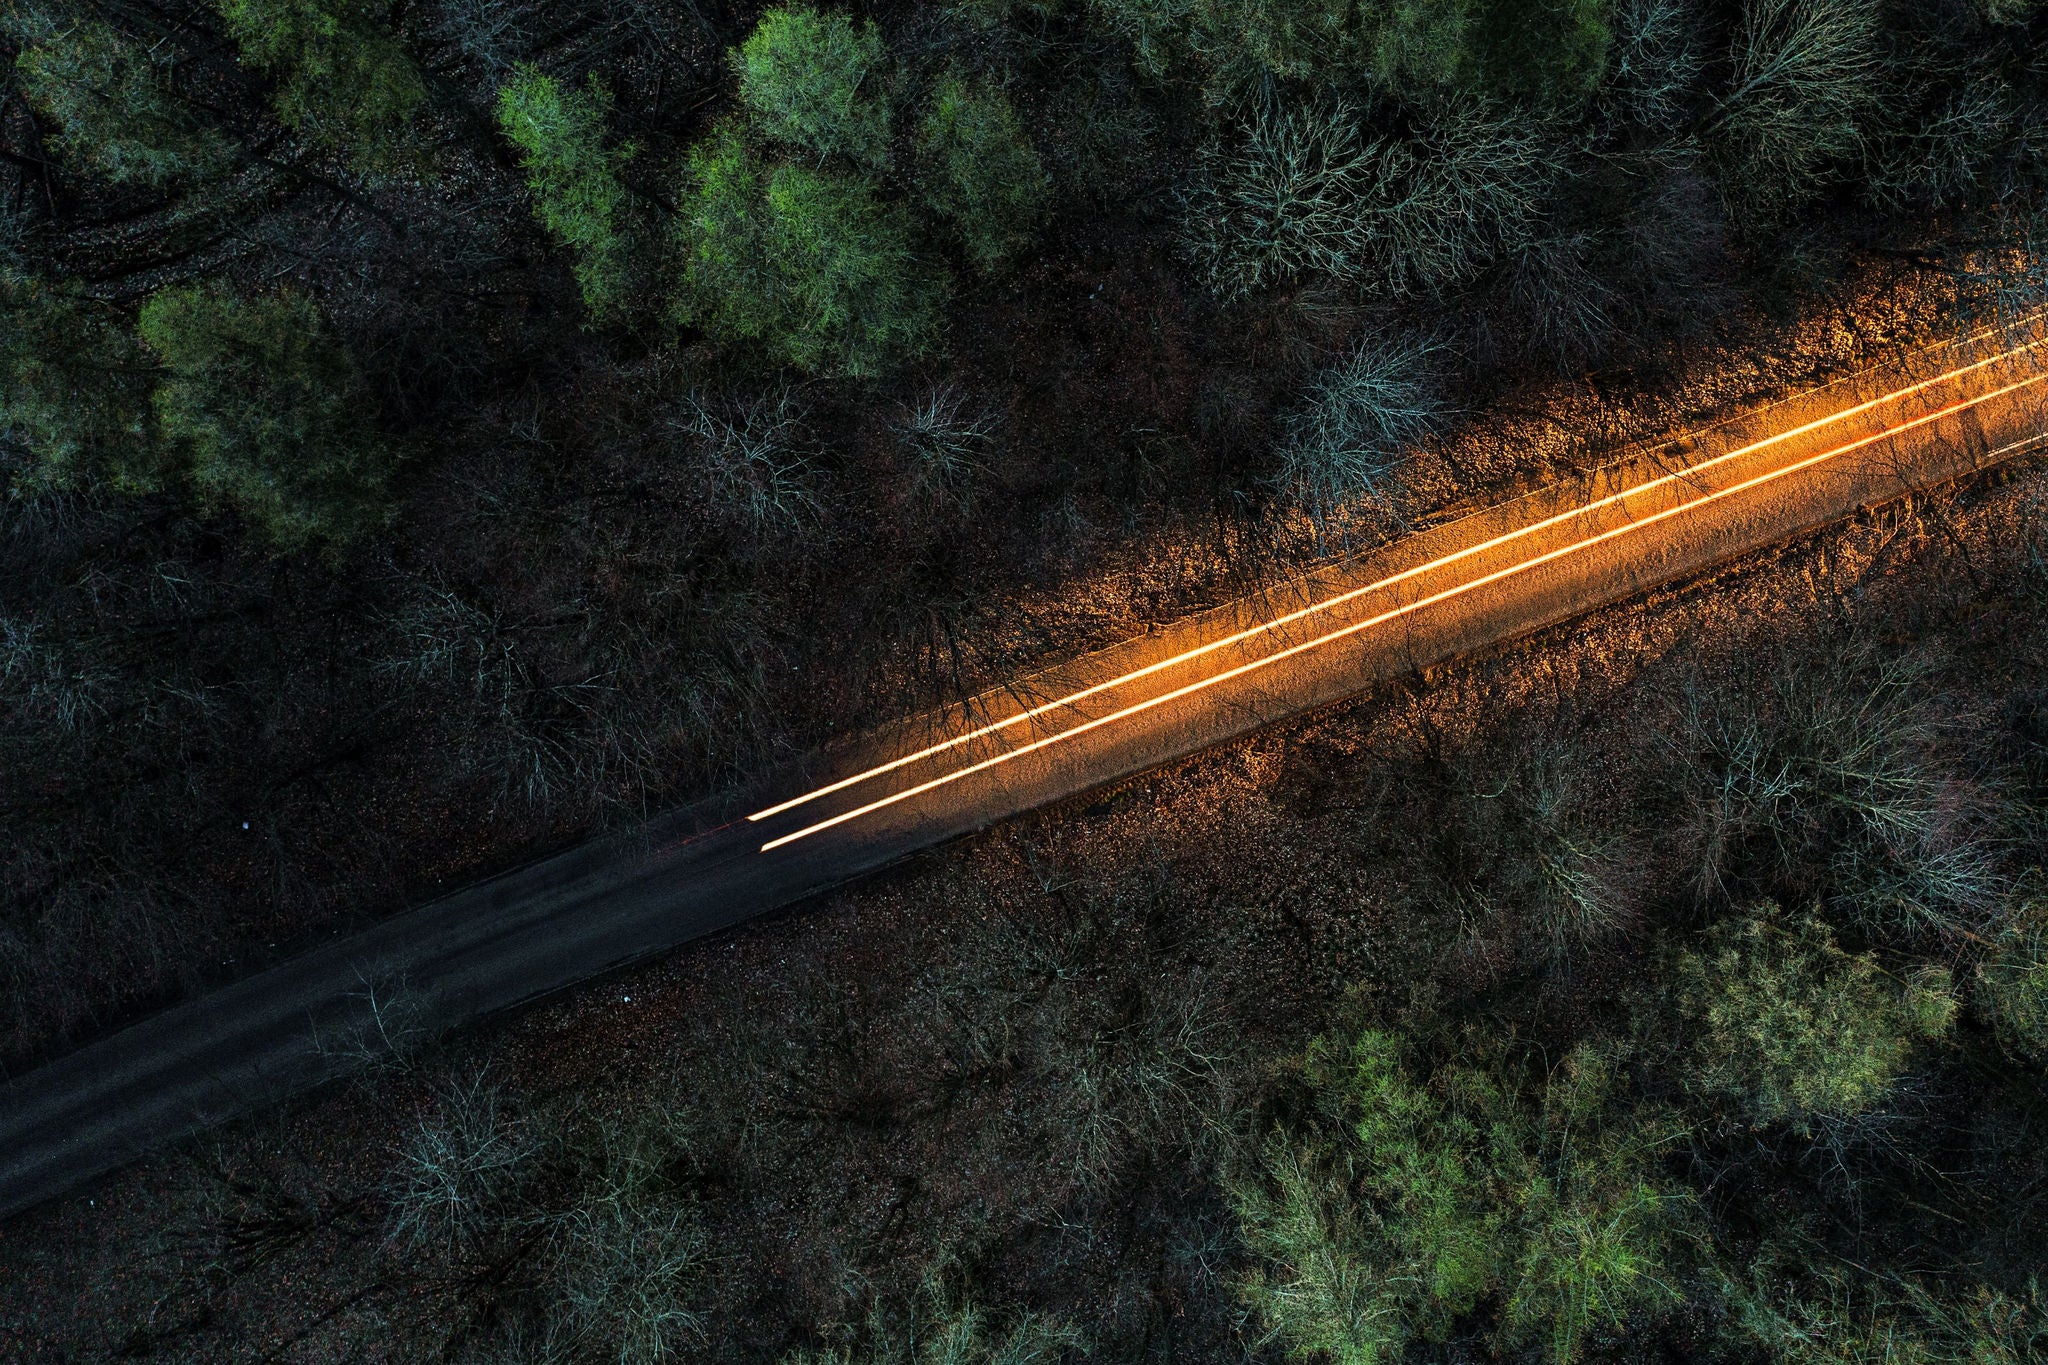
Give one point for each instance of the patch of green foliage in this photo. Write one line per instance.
(113, 108)
(981, 172)
(813, 266)
(560, 134)
(269, 409)
(1406, 1203)
(74, 389)
(814, 81)
(1787, 1026)
(1542, 50)
(2012, 984)
(941, 1328)
(1414, 49)
(343, 78)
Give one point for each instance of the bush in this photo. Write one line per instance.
(1362, 418)
(811, 265)
(574, 179)
(344, 80)
(2012, 985)
(1784, 1023)
(942, 441)
(1805, 75)
(1548, 52)
(113, 108)
(981, 172)
(269, 408)
(74, 390)
(810, 80)
(1826, 785)
(1408, 1204)
(1305, 193)
(940, 1328)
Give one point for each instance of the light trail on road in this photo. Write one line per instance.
(1447, 594)
(1338, 600)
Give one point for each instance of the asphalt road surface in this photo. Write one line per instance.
(1659, 515)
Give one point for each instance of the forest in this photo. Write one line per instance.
(435, 432)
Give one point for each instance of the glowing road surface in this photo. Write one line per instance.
(1872, 444)
(1467, 585)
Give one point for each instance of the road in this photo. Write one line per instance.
(1661, 514)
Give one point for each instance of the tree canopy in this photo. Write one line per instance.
(270, 412)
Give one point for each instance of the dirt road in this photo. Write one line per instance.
(1664, 513)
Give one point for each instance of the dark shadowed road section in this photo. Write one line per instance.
(1657, 516)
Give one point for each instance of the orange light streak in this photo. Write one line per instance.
(1340, 599)
(1396, 612)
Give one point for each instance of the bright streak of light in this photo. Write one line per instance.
(1389, 615)
(1340, 599)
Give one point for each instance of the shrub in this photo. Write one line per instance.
(74, 390)
(980, 171)
(1656, 61)
(1805, 74)
(459, 1173)
(1788, 1026)
(1547, 52)
(113, 108)
(344, 80)
(753, 457)
(1409, 45)
(1828, 784)
(1410, 1203)
(810, 80)
(1304, 192)
(574, 178)
(941, 1328)
(2012, 985)
(811, 265)
(1362, 418)
(942, 441)
(269, 407)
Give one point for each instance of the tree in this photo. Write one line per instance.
(270, 411)
(981, 172)
(1305, 191)
(1789, 1027)
(1805, 75)
(811, 265)
(574, 178)
(74, 389)
(344, 79)
(1406, 1204)
(114, 110)
(812, 81)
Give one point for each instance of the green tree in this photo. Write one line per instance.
(74, 389)
(811, 265)
(813, 81)
(270, 411)
(574, 178)
(981, 172)
(114, 110)
(343, 78)
(1784, 1023)
(1406, 1204)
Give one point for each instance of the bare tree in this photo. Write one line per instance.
(1806, 74)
